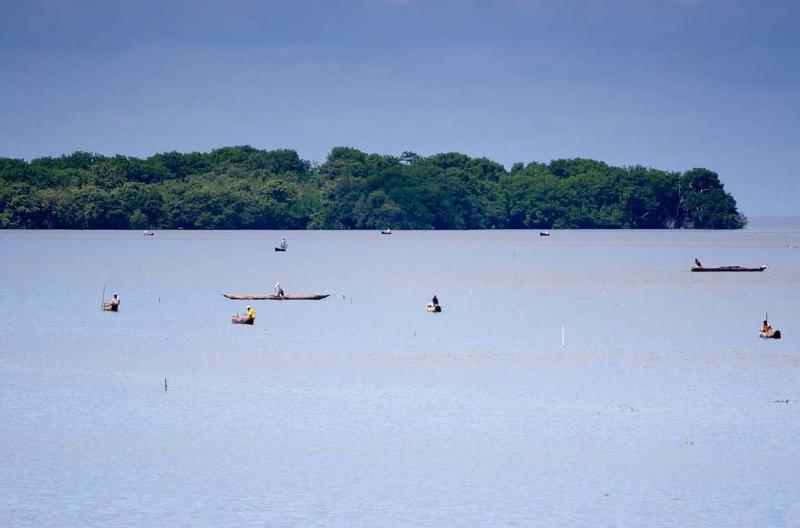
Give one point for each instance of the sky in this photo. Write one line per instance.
(670, 84)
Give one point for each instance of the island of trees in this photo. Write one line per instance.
(247, 188)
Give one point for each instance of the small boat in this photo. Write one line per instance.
(110, 307)
(775, 334)
(250, 297)
(148, 233)
(283, 245)
(434, 308)
(386, 232)
(544, 233)
(729, 268)
(280, 248)
(242, 319)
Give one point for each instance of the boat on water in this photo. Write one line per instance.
(242, 319)
(774, 334)
(148, 233)
(544, 233)
(252, 297)
(282, 246)
(386, 231)
(434, 308)
(728, 268)
(110, 307)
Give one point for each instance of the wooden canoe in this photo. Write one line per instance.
(728, 268)
(242, 319)
(249, 297)
(775, 334)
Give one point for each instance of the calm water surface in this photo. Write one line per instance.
(662, 408)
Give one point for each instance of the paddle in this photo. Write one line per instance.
(103, 300)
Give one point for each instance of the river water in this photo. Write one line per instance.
(661, 408)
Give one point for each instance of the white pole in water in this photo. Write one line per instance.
(563, 335)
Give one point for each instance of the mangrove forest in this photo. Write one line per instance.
(246, 188)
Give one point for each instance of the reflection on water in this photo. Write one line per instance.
(663, 409)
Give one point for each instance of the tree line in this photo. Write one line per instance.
(246, 188)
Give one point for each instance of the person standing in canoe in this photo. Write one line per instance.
(435, 300)
(698, 263)
(250, 313)
(278, 289)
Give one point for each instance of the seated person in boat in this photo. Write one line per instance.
(435, 300)
(250, 313)
(766, 328)
(278, 289)
(698, 263)
(113, 304)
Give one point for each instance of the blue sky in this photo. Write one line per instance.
(672, 84)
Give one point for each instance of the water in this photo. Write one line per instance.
(365, 410)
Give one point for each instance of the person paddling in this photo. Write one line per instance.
(250, 313)
(698, 263)
(278, 289)
(113, 304)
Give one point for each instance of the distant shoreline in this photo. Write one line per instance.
(243, 188)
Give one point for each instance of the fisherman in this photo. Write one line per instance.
(250, 313)
(278, 289)
(698, 263)
(766, 328)
(283, 243)
(435, 300)
(113, 304)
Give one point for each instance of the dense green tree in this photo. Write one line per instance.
(242, 187)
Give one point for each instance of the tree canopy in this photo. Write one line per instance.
(246, 188)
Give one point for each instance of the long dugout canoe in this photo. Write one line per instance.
(249, 297)
(728, 268)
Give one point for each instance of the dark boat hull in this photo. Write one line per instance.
(728, 269)
(437, 308)
(108, 307)
(775, 334)
(247, 297)
(235, 319)
(280, 249)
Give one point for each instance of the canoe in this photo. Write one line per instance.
(249, 297)
(108, 307)
(544, 233)
(434, 308)
(386, 232)
(242, 319)
(280, 249)
(729, 268)
(148, 233)
(775, 334)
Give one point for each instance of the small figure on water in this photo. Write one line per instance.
(112, 305)
(283, 243)
(248, 317)
(768, 332)
(698, 263)
(434, 306)
(278, 289)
